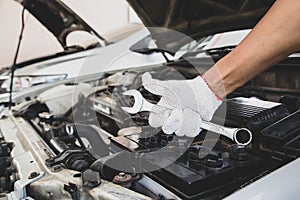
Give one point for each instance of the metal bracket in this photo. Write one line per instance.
(20, 186)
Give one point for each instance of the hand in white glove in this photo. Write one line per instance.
(189, 102)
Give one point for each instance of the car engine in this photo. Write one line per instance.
(96, 143)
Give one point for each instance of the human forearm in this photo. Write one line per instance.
(274, 38)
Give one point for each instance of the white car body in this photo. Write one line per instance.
(115, 56)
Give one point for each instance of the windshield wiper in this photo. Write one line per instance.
(154, 50)
(48, 57)
(93, 45)
(71, 49)
(221, 51)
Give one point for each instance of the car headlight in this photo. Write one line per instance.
(22, 82)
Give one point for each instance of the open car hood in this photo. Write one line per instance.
(57, 18)
(197, 18)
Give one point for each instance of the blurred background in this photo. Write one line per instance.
(108, 18)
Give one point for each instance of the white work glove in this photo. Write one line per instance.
(188, 102)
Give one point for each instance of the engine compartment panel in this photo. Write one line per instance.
(96, 137)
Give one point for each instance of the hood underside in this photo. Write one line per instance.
(197, 18)
(57, 18)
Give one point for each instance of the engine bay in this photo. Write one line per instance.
(100, 141)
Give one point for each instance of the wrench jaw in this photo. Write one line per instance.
(138, 101)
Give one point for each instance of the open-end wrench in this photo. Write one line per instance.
(241, 136)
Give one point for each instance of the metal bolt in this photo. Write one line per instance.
(57, 168)
(69, 129)
(33, 175)
(50, 194)
(45, 115)
(122, 175)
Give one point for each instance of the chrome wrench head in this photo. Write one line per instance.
(138, 101)
(242, 136)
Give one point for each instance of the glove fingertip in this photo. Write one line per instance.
(179, 133)
(170, 124)
(146, 77)
(153, 85)
(167, 130)
(155, 120)
(192, 133)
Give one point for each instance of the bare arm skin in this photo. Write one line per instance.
(275, 37)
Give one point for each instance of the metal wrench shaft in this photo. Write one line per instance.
(241, 136)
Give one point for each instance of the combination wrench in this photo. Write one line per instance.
(242, 136)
